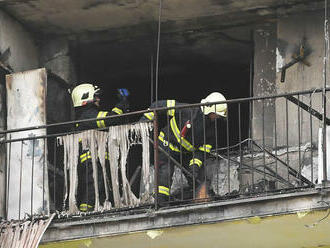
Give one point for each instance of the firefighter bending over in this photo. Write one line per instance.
(190, 132)
(86, 101)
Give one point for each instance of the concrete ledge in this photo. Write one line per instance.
(126, 222)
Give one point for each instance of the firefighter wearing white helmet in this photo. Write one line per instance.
(86, 101)
(188, 136)
(219, 109)
(84, 94)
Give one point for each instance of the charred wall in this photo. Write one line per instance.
(294, 31)
(276, 45)
(19, 52)
(265, 37)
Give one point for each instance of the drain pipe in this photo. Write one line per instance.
(324, 102)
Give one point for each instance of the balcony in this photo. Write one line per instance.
(249, 174)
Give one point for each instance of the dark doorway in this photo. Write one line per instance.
(191, 66)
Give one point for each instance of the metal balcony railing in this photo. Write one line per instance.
(265, 145)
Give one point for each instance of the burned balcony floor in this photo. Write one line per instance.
(253, 209)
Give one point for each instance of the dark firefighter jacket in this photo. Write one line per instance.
(92, 111)
(199, 139)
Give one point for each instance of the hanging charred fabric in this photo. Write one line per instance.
(116, 142)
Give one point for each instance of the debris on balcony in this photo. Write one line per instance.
(26, 233)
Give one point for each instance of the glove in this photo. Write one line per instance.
(123, 100)
(123, 92)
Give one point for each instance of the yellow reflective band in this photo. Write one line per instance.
(101, 114)
(182, 141)
(162, 134)
(106, 155)
(163, 190)
(196, 161)
(84, 207)
(77, 125)
(85, 156)
(172, 147)
(161, 137)
(84, 159)
(205, 148)
(149, 115)
(117, 110)
(171, 103)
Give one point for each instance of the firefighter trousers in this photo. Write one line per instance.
(86, 188)
(166, 170)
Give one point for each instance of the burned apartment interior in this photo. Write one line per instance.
(191, 65)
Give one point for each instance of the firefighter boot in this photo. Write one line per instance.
(163, 200)
(84, 207)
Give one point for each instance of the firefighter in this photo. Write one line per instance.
(86, 101)
(188, 137)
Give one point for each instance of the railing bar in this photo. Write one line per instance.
(275, 128)
(86, 196)
(228, 154)
(80, 121)
(240, 146)
(287, 135)
(181, 154)
(8, 175)
(216, 149)
(156, 158)
(263, 138)
(299, 140)
(250, 102)
(193, 143)
(193, 157)
(32, 177)
(87, 166)
(311, 137)
(54, 176)
(252, 154)
(20, 183)
(164, 108)
(204, 153)
(169, 167)
(44, 175)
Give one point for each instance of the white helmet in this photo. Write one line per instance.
(219, 109)
(83, 94)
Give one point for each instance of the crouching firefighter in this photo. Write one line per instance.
(86, 100)
(188, 136)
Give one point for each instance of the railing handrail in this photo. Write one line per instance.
(316, 90)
